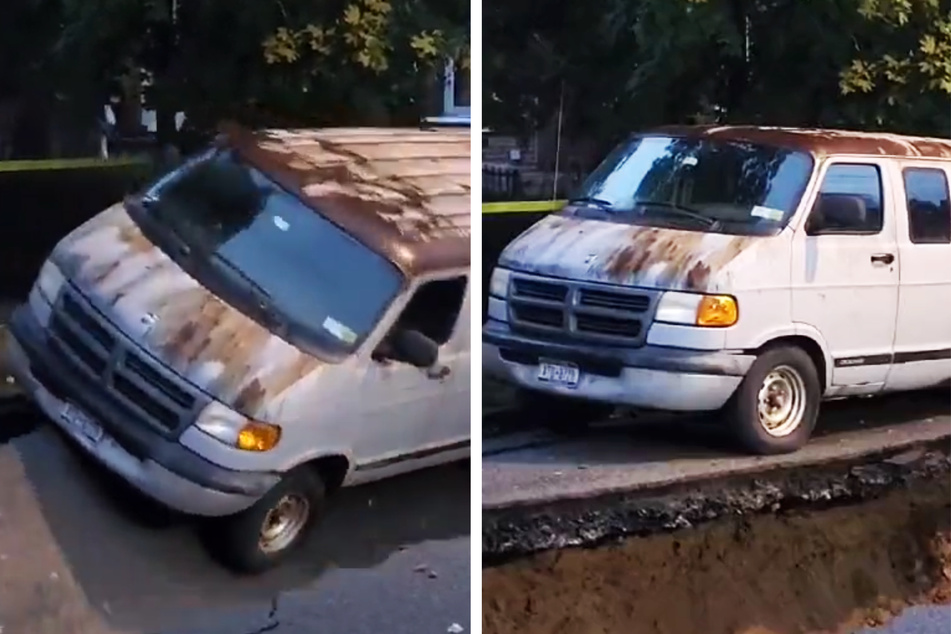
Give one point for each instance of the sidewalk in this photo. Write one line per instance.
(40, 594)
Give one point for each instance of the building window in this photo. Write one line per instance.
(456, 97)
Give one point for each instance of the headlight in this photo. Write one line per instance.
(499, 284)
(50, 281)
(693, 309)
(228, 426)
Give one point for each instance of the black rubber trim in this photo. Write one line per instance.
(610, 362)
(413, 455)
(135, 437)
(896, 358)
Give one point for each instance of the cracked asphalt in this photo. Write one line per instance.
(79, 554)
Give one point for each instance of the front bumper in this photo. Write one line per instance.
(649, 376)
(159, 467)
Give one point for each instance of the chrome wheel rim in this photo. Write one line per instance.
(283, 523)
(781, 402)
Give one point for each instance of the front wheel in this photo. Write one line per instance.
(265, 534)
(775, 407)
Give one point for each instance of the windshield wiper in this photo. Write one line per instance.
(589, 200)
(679, 210)
(143, 210)
(261, 299)
(198, 253)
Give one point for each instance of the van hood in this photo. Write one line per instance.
(173, 317)
(611, 252)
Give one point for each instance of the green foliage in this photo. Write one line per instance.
(620, 65)
(273, 61)
(906, 49)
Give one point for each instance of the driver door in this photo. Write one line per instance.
(403, 407)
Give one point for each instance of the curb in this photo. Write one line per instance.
(515, 532)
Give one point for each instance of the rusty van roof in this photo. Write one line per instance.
(404, 192)
(820, 143)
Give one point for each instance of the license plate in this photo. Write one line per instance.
(558, 372)
(79, 420)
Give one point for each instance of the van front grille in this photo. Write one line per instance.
(598, 313)
(91, 345)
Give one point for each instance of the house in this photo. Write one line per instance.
(452, 101)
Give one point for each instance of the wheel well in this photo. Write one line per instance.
(332, 470)
(810, 347)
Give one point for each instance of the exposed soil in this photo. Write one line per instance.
(832, 570)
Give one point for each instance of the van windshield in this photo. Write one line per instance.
(697, 184)
(261, 247)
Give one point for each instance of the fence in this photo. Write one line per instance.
(501, 182)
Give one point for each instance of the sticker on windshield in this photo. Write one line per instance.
(769, 213)
(339, 331)
(281, 224)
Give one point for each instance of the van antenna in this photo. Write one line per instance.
(561, 111)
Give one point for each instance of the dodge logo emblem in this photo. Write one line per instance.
(149, 320)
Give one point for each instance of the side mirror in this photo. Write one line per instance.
(415, 348)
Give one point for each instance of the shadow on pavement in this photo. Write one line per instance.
(142, 567)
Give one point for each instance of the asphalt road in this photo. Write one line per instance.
(81, 555)
(531, 466)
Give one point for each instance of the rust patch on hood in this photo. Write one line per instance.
(606, 251)
(198, 334)
(678, 257)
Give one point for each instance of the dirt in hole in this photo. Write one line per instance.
(834, 570)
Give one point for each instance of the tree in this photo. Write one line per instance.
(278, 61)
(619, 65)
(904, 64)
(371, 58)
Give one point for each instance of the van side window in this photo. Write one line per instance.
(849, 201)
(929, 205)
(434, 308)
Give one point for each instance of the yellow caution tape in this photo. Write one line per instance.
(532, 206)
(67, 164)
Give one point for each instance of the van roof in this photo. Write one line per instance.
(821, 142)
(404, 192)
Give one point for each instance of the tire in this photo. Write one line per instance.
(238, 543)
(790, 371)
(564, 415)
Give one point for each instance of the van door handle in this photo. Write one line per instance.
(883, 258)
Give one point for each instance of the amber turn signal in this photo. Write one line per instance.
(256, 436)
(717, 310)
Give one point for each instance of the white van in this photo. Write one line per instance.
(751, 270)
(285, 314)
